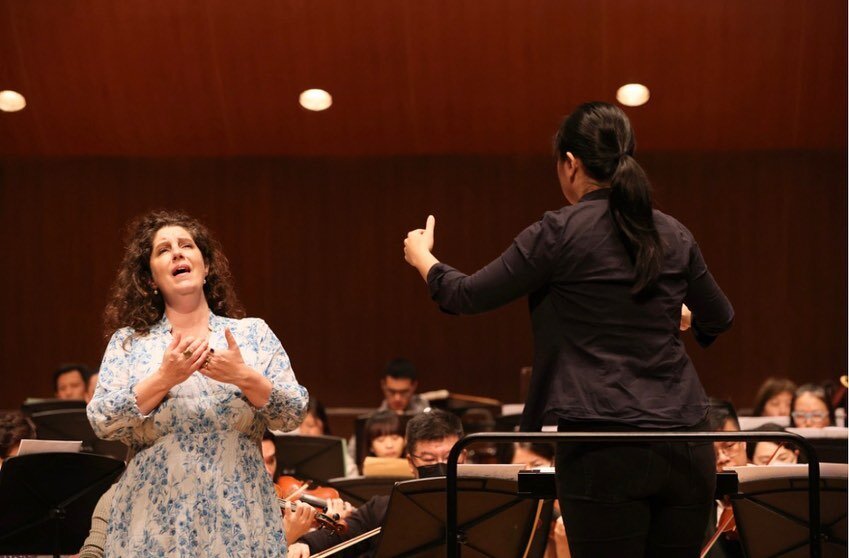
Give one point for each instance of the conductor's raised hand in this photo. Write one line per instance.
(419, 242)
(418, 246)
(226, 366)
(182, 357)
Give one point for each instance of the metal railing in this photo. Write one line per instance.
(454, 539)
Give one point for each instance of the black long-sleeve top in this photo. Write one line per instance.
(600, 353)
(367, 517)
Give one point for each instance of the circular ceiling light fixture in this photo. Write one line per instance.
(11, 101)
(315, 99)
(633, 94)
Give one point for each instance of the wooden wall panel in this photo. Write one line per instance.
(173, 78)
(315, 246)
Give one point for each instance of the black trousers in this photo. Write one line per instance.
(635, 500)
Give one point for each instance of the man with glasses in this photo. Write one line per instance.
(722, 417)
(430, 437)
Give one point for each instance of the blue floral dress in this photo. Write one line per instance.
(197, 485)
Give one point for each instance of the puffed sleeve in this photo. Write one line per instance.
(287, 404)
(113, 412)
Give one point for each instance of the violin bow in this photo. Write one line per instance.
(349, 543)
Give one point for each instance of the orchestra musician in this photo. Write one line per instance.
(71, 382)
(430, 436)
(190, 385)
(610, 282)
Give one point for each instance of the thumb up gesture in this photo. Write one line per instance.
(419, 242)
(418, 246)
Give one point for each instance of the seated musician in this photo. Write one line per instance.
(536, 456)
(69, 382)
(771, 453)
(722, 417)
(430, 436)
(811, 407)
(14, 427)
(384, 435)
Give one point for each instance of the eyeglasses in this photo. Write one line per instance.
(730, 449)
(815, 415)
(430, 459)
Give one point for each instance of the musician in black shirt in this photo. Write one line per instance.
(608, 279)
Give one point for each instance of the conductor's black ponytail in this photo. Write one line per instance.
(600, 135)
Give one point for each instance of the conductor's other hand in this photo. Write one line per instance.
(419, 242)
(686, 318)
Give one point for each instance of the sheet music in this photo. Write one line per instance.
(29, 447)
(505, 471)
(749, 473)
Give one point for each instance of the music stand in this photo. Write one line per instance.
(316, 458)
(46, 500)
(31, 406)
(359, 490)
(494, 522)
(830, 443)
(771, 510)
(70, 422)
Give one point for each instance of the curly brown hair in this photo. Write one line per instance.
(133, 301)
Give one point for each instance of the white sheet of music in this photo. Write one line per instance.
(497, 471)
(49, 446)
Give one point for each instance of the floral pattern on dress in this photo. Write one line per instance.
(197, 485)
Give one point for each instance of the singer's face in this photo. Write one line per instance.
(176, 263)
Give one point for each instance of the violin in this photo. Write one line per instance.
(289, 490)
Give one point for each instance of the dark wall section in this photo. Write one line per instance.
(315, 247)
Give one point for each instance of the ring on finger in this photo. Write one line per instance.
(187, 353)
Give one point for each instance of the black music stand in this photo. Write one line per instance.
(359, 490)
(57, 419)
(494, 522)
(46, 500)
(771, 510)
(315, 458)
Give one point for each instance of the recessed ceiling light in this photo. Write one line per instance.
(633, 94)
(11, 101)
(315, 99)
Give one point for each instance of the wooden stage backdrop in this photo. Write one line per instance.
(315, 246)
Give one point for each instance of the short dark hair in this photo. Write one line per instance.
(719, 411)
(434, 424)
(768, 427)
(14, 427)
(400, 368)
(383, 423)
(66, 368)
